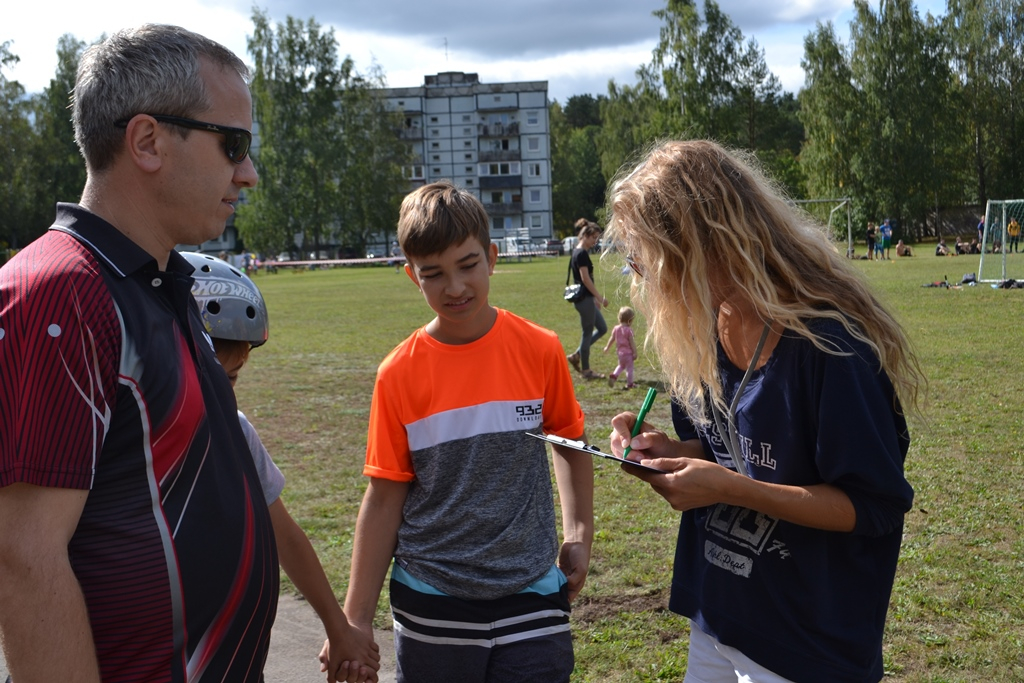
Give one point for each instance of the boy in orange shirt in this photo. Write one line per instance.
(459, 495)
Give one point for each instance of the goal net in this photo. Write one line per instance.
(1002, 253)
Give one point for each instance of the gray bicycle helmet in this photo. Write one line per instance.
(230, 303)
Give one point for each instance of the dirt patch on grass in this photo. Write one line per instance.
(596, 609)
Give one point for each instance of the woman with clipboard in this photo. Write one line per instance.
(790, 385)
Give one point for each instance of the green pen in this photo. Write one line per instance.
(644, 409)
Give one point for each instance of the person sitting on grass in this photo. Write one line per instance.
(941, 249)
(235, 316)
(903, 250)
(460, 493)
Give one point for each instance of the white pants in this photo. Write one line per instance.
(711, 662)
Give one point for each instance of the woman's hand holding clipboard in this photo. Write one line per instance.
(593, 450)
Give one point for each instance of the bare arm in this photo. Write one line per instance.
(376, 537)
(300, 563)
(574, 474)
(44, 622)
(694, 482)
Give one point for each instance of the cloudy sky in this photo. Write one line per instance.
(575, 45)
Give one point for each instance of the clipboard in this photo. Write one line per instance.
(593, 450)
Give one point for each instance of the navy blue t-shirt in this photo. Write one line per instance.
(809, 605)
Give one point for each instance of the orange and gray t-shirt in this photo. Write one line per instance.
(479, 519)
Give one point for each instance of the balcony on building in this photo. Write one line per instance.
(414, 133)
(504, 209)
(493, 182)
(500, 155)
(498, 130)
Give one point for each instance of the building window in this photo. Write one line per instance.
(509, 168)
(532, 118)
(436, 157)
(466, 118)
(467, 144)
(413, 172)
(467, 131)
(401, 103)
(536, 221)
(469, 181)
(495, 222)
(533, 144)
(433, 119)
(535, 196)
(497, 198)
(497, 98)
(437, 171)
(435, 145)
(469, 169)
(533, 170)
(469, 157)
(508, 223)
(435, 132)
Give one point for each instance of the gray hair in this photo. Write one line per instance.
(152, 69)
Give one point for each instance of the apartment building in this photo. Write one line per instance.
(491, 138)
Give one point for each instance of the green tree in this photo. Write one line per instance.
(296, 89)
(59, 164)
(757, 91)
(578, 185)
(897, 62)
(372, 183)
(328, 158)
(631, 118)
(985, 43)
(829, 111)
(704, 80)
(20, 220)
(583, 110)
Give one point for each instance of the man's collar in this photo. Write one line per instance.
(109, 244)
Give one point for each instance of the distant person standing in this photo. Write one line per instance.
(1013, 235)
(592, 323)
(869, 237)
(625, 347)
(981, 230)
(886, 234)
(135, 543)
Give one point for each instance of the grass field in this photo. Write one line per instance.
(957, 611)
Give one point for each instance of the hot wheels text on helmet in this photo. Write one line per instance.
(230, 303)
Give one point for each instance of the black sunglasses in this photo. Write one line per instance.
(236, 140)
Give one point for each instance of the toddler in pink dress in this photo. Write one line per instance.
(625, 347)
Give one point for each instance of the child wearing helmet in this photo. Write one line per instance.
(235, 317)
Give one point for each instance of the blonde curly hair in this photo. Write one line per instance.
(691, 209)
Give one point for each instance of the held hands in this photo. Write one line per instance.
(355, 658)
(690, 481)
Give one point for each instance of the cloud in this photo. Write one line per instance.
(526, 29)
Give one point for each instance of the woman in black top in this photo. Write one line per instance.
(589, 306)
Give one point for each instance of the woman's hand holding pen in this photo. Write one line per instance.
(691, 481)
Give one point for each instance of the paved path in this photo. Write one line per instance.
(295, 644)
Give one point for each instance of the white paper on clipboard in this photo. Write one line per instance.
(593, 450)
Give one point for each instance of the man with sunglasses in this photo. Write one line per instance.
(134, 541)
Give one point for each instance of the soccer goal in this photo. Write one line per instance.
(1005, 260)
(836, 205)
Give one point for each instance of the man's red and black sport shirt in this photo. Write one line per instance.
(109, 383)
